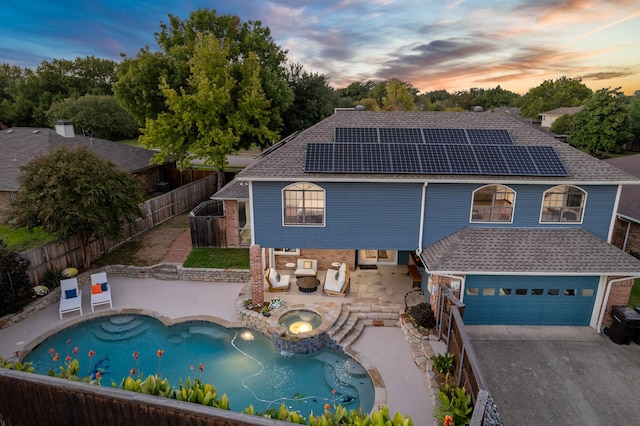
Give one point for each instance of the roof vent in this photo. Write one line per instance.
(360, 108)
(10, 131)
(65, 129)
(36, 131)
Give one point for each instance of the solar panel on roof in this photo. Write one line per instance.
(519, 160)
(489, 137)
(490, 160)
(444, 136)
(376, 159)
(404, 158)
(356, 135)
(547, 161)
(434, 159)
(347, 158)
(462, 159)
(319, 157)
(400, 135)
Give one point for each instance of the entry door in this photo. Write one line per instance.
(377, 257)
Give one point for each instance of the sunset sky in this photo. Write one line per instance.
(433, 44)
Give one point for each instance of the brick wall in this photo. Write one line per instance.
(231, 223)
(620, 229)
(619, 296)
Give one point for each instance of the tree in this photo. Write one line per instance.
(221, 106)
(562, 125)
(603, 124)
(563, 92)
(99, 116)
(15, 287)
(634, 116)
(398, 97)
(72, 191)
(313, 100)
(139, 78)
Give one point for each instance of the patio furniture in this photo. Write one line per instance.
(307, 268)
(336, 282)
(276, 281)
(70, 296)
(100, 290)
(307, 284)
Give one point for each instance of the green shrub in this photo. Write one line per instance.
(422, 315)
(52, 278)
(443, 363)
(15, 288)
(456, 403)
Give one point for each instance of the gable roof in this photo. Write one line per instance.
(287, 162)
(558, 251)
(19, 145)
(629, 205)
(563, 111)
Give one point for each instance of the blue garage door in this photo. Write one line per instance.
(526, 300)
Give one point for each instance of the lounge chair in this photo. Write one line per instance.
(100, 290)
(336, 282)
(276, 281)
(70, 296)
(306, 268)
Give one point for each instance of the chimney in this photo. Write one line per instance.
(65, 129)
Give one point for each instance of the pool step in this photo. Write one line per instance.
(120, 328)
(345, 376)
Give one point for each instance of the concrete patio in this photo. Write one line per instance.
(385, 349)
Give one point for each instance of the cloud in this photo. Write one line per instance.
(605, 75)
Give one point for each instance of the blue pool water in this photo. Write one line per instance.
(243, 364)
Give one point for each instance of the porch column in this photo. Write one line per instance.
(257, 277)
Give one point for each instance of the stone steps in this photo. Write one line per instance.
(346, 329)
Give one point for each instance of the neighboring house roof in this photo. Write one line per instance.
(19, 145)
(525, 251)
(234, 190)
(287, 162)
(558, 112)
(629, 205)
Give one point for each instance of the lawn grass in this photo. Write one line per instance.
(634, 298)
(22, 239)
(124, 254)
(218, 258)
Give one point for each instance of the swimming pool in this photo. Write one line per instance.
(244, 365)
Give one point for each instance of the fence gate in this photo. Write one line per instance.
(207, 225)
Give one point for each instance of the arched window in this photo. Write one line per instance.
(303, 204)
(493, 203)
(563, 203)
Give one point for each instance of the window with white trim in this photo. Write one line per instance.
(493, 203)
(303, 204)
(563, 203)
(289, 251)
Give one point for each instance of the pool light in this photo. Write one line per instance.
(300, 327)
(246, 335)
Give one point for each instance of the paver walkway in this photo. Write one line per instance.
(179, 250)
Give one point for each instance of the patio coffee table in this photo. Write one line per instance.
(307, 284)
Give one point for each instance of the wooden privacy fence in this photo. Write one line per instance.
(467, 371)
(207, 225)
(59, 255)
(34, 399)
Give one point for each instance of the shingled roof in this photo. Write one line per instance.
(525, 251)
(287, 162)
(19, 145)
(630, 196)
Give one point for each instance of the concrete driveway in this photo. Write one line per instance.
(559, 375)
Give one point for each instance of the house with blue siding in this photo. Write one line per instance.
(517, 223)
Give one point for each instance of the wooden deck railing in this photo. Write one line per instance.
(467, 371)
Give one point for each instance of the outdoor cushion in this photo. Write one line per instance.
(96, 289)
(307, 264)
(70, 294)
(104, 286)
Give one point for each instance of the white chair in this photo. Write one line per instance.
(100, 290)
(70, 296)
